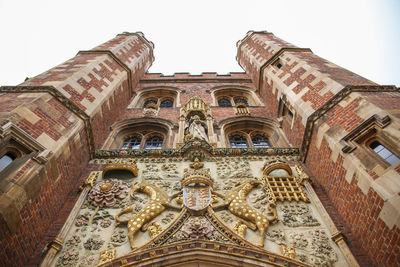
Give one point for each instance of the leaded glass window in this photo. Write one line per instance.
(149, 102)
(241, 101)
(154, 142)
(237, 141)
(166, 104)
(131, 143)
(260, 141)
(224, 103)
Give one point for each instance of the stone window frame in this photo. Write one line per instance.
(285, 113)
(16, 192)
(20, 143)
(143, 137)
(142, 128)
(248, 135)
(158, 94)
(232, 93)
(365, 134)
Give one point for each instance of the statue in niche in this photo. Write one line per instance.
(196, 129)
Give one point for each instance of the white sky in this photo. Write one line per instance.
(200, 36)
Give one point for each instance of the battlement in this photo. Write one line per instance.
(203, 77)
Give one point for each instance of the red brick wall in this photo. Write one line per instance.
(38, 215)
(359, 211)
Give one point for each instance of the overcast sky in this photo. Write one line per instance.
(200, 36)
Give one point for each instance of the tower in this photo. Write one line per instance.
(293, 162)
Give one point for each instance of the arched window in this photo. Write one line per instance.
(384, 153)
(241, 101)
(6, 160)
(154, 142)
(260, 141)
(131, 143)
(224, 103)
(151, 101)
(166, 104)
(238, 141)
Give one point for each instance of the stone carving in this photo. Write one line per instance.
(118, 238)
(82, 219)
(237, 204)
(154, 229)
(93, 243)
(288, 251)
(106, 192)
(298, 240)
(196, 129)
(295, 214)
(73, 241)
(289, 153)
(87, 260)
(151, 172)
(168, 218)
(159, 200)
(234, 168)
(322, 249)
(277, 236)
(240, 228)
(170, 170)
(70, 258)
(197, 228)
(90, 181)
(226, 216)
(150, 111)
(106, 256)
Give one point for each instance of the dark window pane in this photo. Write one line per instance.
(6, 160)
(154, 142)
(224, 103)
(131, 143)
(242, 101)
(260, 141)
(166, 104)
(238, 141)
(149, 102)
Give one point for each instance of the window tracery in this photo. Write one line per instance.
(223, 102)
(143, 141)
(260, 141)
(154, 142)
(230, 97)
(164, 97)
(238, 141)
(248, 138)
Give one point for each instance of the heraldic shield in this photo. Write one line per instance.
(197, 196)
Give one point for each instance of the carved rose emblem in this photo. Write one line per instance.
(196, 228)
(106, 193)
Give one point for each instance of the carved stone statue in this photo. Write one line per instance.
(196, 129)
